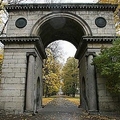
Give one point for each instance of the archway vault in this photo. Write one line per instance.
(61, 26)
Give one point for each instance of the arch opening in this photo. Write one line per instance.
(68, 84)
(61, 26)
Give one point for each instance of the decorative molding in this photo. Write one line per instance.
(90, 53)
(31, 53)
(99, 39)
(22, 39)
(25, 40)
(92, 39)
(62, 6)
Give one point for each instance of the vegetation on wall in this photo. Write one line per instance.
(108, 64)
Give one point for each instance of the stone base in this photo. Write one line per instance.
(93, 112)
(7, 112)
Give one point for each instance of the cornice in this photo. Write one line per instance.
(99, 39)
(25, 40)
(62, 6)
(6, 40)
(92, 39)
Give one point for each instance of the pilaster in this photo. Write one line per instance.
(30, 81)
(92, 93)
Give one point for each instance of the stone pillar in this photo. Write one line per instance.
(92, 93)
(30, 82)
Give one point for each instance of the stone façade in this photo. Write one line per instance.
(24, 52)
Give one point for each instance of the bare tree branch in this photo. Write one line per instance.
(14, 1)
(55, 49)
(2, 32)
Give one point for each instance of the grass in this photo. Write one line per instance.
(45, 101)
(75, 100)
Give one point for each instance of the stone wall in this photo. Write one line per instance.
(33, 17)
(106, 101)
(13, 78)
(90, 16)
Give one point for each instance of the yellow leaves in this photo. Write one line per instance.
(2, 4)
(116, 13)
(51, 72)
(45, 101)
(109, 1)
(52, 82)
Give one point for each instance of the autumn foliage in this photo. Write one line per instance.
(51, 75)
(116, 13)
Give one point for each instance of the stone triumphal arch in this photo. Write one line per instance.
(31, 27)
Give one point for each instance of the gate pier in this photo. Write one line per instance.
(21, 68)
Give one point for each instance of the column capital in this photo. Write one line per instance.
(90, 53)
(31, 53)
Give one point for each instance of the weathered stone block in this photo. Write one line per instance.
(10, 75)
(14, 105)
(6, 99)
(19, 57)
(20, 75)
(2, 104)
(109, 106)
(12, 80)
(18, 99)
(9, 93)
(101, 86)
(13, 86)
(19, 65)
(6, 54)
(17, 70)
(101, 93)
(21, 61)
(8, 70)
(22, 80)
(22, 92)
(23, 70)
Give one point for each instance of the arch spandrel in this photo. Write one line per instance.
(70, 28)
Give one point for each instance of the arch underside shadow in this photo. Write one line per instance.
(61, 26)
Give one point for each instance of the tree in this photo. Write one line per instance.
(116, 13)
(56, 50)
(70, 77)
(3, 15)
(108, 64)
(15, 1)
(51, 75)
